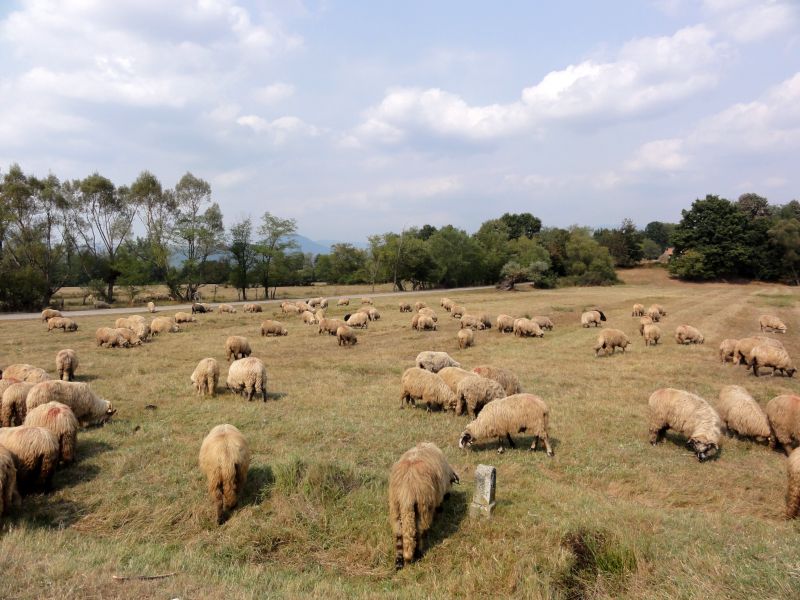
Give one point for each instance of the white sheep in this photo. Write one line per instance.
(520, 413)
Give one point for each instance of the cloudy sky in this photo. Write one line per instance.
(364, 117)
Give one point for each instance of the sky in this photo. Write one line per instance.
(357, 118)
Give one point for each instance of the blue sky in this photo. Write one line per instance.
(364, 117)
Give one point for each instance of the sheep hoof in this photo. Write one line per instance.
(500, 450)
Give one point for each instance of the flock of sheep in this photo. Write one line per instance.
(40, 417)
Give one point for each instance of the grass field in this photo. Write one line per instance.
(608, 517)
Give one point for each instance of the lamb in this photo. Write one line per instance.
(686, 334)
(359, 319)
(793, 485)
(609, 340)
(49, 313)
(466, 338)
(644, 322)
(237, 347)
(248, 376)
(741, 414)
(205, 377)
(473, 393)
(345, 336)
(366, 300)
(519, 413)
(771, 323)
(25, 372)
(654, 314)
(592, 317)
(419, 384)
(419, 305)
(778, 359)
(687, 414)
(783, 414)
(252, 308)
(182, 317)
(425, 323)
(225, 308)
(428, 312)
(418, 483)
(330, 325)
(9, 495)
(457, 311)
(129, 336)
(543, 322)
(452, 376)
(61, 323)
(638, 310)
(89, 408)
(405, 307)
(270, 327)
(13, 407)
(472, 322)
(163, 325)
(343, 302)
(526, 328)
(727, 349)
(60, 421)
(35, 453)
(504, 377)
(224, 460)
(505, 323)
(309, 318)
(652, 333)
(435, 361)
(151, 307)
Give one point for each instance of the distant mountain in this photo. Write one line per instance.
(308, 245)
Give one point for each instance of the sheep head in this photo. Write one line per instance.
(703, 450)
(465, 441)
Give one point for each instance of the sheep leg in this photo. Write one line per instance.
(510, 441)
(657, 435)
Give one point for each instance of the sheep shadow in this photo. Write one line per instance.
(73, 475)
(86, 377)
(683, 442)
(91, 448)
(276, 395)
(41, 511)
(447, 522)
(522, 443)
(260, 480)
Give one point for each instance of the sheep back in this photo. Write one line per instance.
(206, 376)
(687, 414)
(248, 376)
(741, 414)
(35, 453)
(504, 377)
(783, 414)
(224, 459)
(435, 361)
(60, 421)
(88, 407)
(520, 413)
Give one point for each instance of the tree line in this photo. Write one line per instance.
(106, 238)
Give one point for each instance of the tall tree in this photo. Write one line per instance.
(785, 237)
(275, 239)
(522, 224)
(157, 210)
(244, 254)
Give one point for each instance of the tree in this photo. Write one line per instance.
(650, 249)
(275, 239)
(588, 263)
(426, 231)
(457, 257)
(753, 205)
(659, 232)
(493, 237)
(244, 254)
(522, 224)
(785, 237)
(157, 209)
(624, 243)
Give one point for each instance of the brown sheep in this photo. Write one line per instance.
(771, 323)
(419, 305)
(652, 333)
(35, 452)
(237, 347)
(252, 308)
(741, 414)
(343, 302)
(473, 393)
(609, 340)
(543, 322)
(428, 312)
(690, 416)
(25, 372)
(61, 422)
(526, 328)
(330, 326)
(466, 338)
(309, 318)
(686, 334)
(452, 376)
(205, 377)
(366, 300)
(405, 307)
(472, 322)
(61, 323)
(504, 377)
(727, 349)
(520, 413)
(358, 320)
(419, 384)
(224, 460)
(183, 317)
(783, 414)
(270, 327)
(425, 323)
(505, 323)
(643, 322)
(744, 348)
(49, 313)
(793, 485)
(457, 311)
(89, 408)
(777, 359)
(224, 308)
(13, 404)
(345, 336)
(592, 317)
(638, 310)
(129, 335)
(109, 337)
(163, 325)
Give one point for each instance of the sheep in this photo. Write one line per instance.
(302, 306)
(771, 323)
(224, 460)
(651, 333)
(6, 383)
(428, 312)
(35, 452)
(199, 307)
(638, 310)
(472, 322)
(248, 376)
(419, 305)
(9, 495)
(343, 302)
(660, 309)
(504, 377)
(60, 421)
(687, 414)
(49, 313)
(123, 322)
(290, 309)
(466, 338)
(446, 304)
(519, 413)
(686, 334)
(314, 302)
(345, 336)
(163, 325)
(129, 336)
(330, 325)
(405, 307)
(270, 327)
(505, 323)
(415, 321)
(151, 307)
(309, 318)
(609, 340)
(324, 303)
(373, 313)
(644, 322)
(727, 349)
(13, 407)
(592, 317)
(89, 408)
(205, 377)
(435, 361)
(745, 346)
(141, 329)
(237, 347)
(109, 337)
(425, 323)
(226, 308)
(457, 311)
(778, 359)
(793, 485)
(543, 322)
(252, 308)
(182, 317)
(418, 484)
(654, 314)
(319, 314)
(473, 393)
(526, 328)
(741, 414)
(25, 372)
(61, 323)
(101, 304)
(359, 319)
(452, 376)
(366, 300)
(783, 414)
(426, 386)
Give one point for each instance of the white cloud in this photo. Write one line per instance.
(659, 155)
(751, 20)
(274, 93)
(280, 130)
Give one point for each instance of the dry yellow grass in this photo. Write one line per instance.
(608, 517)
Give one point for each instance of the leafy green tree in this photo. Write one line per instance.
(623, 243)
(493, 237)
(522, 224)
(554, 240)
(347, 264)
(753, 205)
(588, 263)
(276, 238)
(457, 257)
(690, 265)
(660, 233)
(244, 255)
(785, 237)
(650, 249)
(426, 231)
(157, 209)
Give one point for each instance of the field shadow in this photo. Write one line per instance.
(521, 443)
(75, 474)
(86, 377)
(260, 481)
(447, 522)
(42, 511)
(276, 395)
(91, 448)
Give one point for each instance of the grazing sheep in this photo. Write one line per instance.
(689, 415)
(644, 322)
(290, 309)
(314, 302)
(302, 306)
(61, 323)
(330, 325)
(452, 376)
(415, 321)
(49, 313)
(345, 336)
(237, 347)
(778, 359)
(129, 335)
(793, 485)
(9, 495)
(60, 421)
(198, 307)
(151, 307)
(163, 325)
(473, 393)
(366, 300)
(686, 334)
(428, 312)
(248, 376)
(343, 302)
(6, 383)
(89, 408)
(425, 323)
(771, 323)
(142, 330)
(472, 322)
(123, 322)
(660, 309)
(741, 414)
(592, 317)
(783, 414)
(226, 308)
(520, 413)
(35, 453)
(324, 303)
(101, 304)
(457, 311)
(25, 372)
(418, 483)
(435, 361)
(419, 384)
(609, 340)
(252, 308)
(543, 322)
(309, 318)
(526, 328)
(373, 313)
(405, 307)
(504, 377)
(486, 319)
(13, 407)
(466, 338)
(270, 327)
(652, 333)
(447, 304)
(419, 305)
(505, 323)
(205, 377)
(638, 310)
(654, 314)
(319, 314)
(224, 460)
(742, 355)
(727, 349)
(182, 317)
(359, 319)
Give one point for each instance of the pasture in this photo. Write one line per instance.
(608, 516)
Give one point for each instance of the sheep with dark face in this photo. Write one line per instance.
(609, 340)
(690, 416)
(592, 317)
